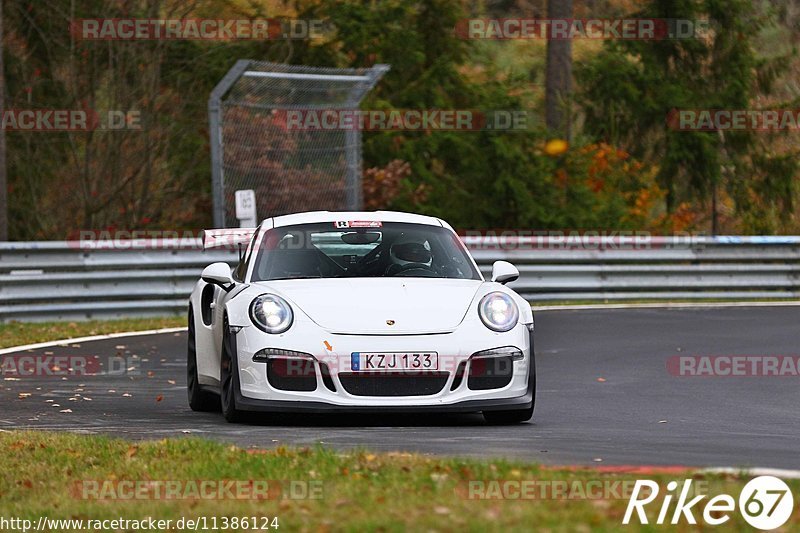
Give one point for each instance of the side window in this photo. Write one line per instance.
(240, 271)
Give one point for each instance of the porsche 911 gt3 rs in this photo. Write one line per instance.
(358, 312)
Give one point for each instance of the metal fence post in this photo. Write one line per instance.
(215, 139)
(355, 197)
(353, 178)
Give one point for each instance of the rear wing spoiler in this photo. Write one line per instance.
(231, 238)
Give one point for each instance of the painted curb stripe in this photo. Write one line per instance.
(665, 305)
(77, 340)
(645, 470)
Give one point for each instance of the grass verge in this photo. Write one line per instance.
(19, 333)
(50, 474)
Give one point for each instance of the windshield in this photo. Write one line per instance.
(339, 250)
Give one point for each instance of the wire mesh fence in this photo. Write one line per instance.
(290, 169)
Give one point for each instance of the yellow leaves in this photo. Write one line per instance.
(556, 147)
(280, 451)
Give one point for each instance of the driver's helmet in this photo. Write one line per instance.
(407, 249)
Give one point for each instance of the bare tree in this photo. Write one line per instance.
(558, 83)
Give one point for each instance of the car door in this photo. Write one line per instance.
(220, 296)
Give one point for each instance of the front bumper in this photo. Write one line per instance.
(255, 392)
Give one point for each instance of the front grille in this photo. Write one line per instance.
(297, 375)
(326, 377)
(459, 376)
(393, 383)
(490, 373)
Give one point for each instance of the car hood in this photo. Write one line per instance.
(368, 305)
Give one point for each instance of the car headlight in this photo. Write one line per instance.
(498, 311)
(271, 313)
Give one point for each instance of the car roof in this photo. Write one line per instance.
(365, 216)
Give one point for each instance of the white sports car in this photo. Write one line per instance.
(358, 312)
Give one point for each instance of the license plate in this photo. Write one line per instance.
(370, 361)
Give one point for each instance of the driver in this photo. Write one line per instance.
(407, 250)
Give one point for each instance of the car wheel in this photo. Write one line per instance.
(199, 399)
(515, 416)
(229, 377)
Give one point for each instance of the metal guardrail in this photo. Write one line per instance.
(68, 281)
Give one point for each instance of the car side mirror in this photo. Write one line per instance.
(504, 272)
(218, 274)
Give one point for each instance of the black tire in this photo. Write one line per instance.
(228, 377)
(516, 416)
(199, 399)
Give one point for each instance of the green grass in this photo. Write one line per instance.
(360, 491)
(18, 333)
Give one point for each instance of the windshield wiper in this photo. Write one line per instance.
(294, 277)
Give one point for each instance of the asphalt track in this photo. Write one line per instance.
(605, 397)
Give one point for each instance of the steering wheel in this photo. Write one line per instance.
(395, 270)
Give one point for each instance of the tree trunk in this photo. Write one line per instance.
(3, 178)
(558, 84)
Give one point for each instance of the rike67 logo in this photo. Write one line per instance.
(765, 503)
